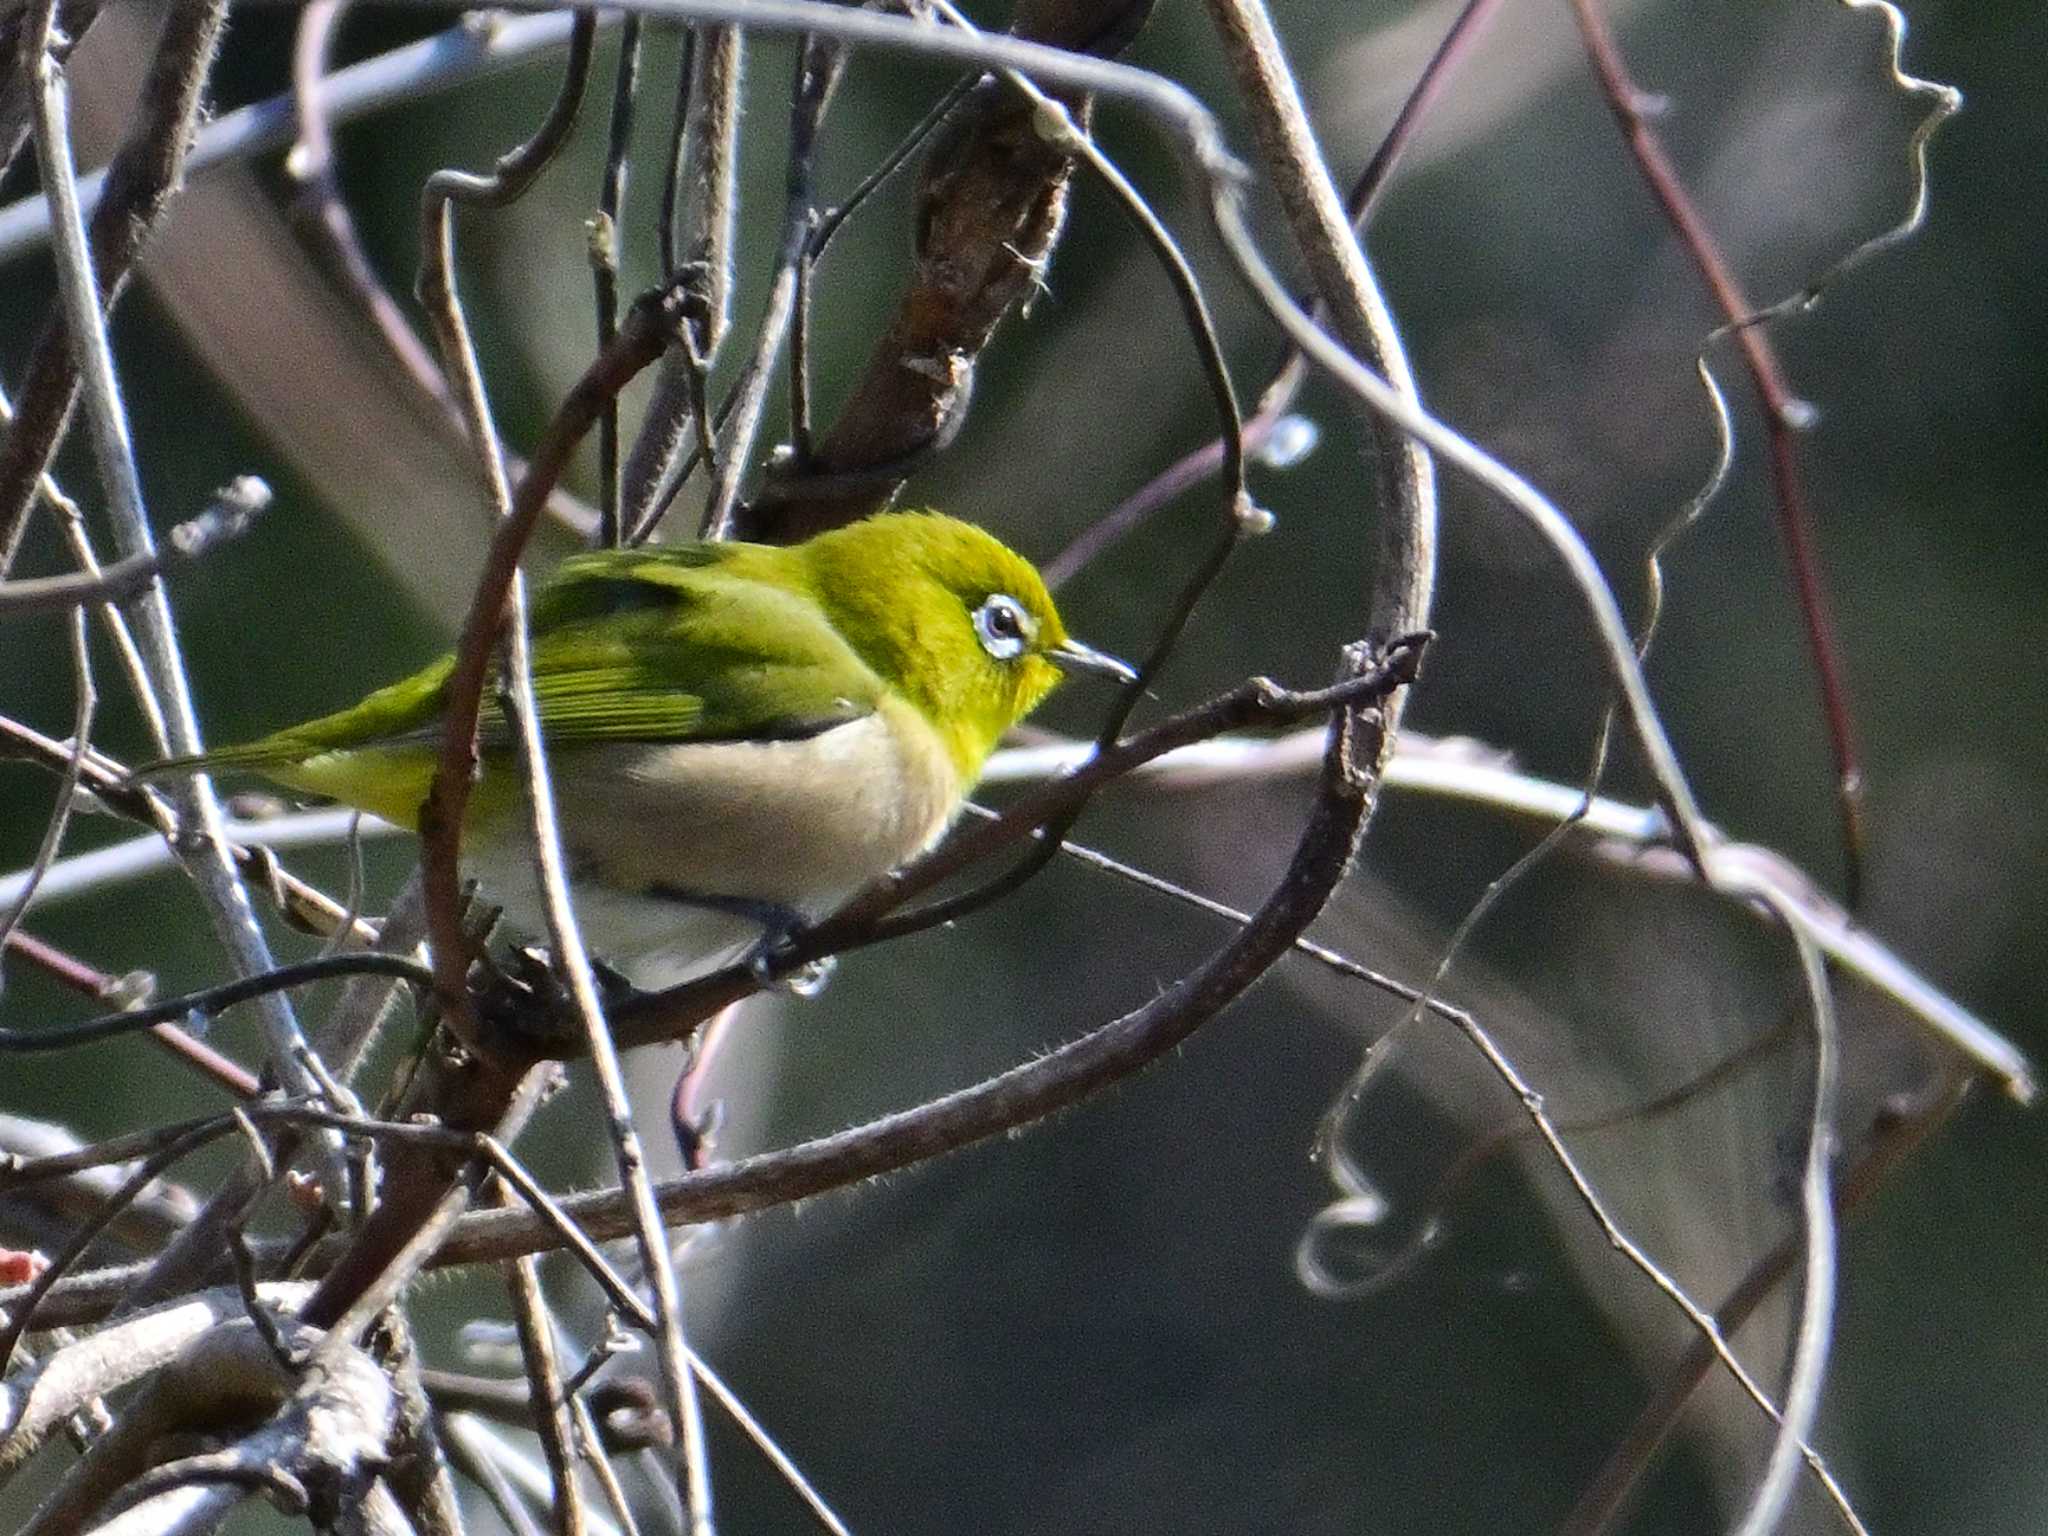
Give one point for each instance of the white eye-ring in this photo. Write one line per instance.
(1004, 627)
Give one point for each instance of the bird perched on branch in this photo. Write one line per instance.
(739, 735)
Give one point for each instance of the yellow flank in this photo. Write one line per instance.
(388, 782)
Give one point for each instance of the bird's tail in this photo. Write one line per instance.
(259, 756)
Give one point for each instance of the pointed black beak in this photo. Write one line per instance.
(1073, 656)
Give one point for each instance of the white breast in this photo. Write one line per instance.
(799, 824)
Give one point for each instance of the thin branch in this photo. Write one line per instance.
(543, 1370)
(572, 965)
(369, 1279)
(140, 180)
(590, 1451)
(828, 225)
(604, 265)
(302, 905)
(472, 1456)
(198, 813)
(1057, 126)
(404, 75)
(1784, 416)
(648, 324)
(88, 1232)
(1344, 1214)
(1815, 1330)
(1793, 1442)
(37, 1401)
(1902, 1128)
(418, 1474)
(322, 212)
(136, 986)
(212, 1001)
(231, 513)
(818, 68)
(1944, 101)
(85, 702)
(991, 201)
(704, 168)
(1404, 480)
(1291, 372)
(72, 523)
(674, 167)
(74, 20)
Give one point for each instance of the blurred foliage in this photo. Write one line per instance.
(1097, 1327)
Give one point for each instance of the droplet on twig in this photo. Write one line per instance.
(1293, 438)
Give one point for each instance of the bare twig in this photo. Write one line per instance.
(1404, 479)
(102, 988)
(572, 965)
(406, 1231)
(85, 701)
(197, 811)
(640, 340)
(1901, 1130)
(543, 1370)
(590, 1451)
(325, 1444)
(34, 1404)
(301, 904)
(1636, 838)
(74, 19)
(213, 1001)
(1284, 387)
(1793, 1442)
(88, 1233)
(1784, 416)
(233, 510)
(323, 214)
(818, 68)
(140, 180)
(604, 265)
(829, 223)
(700, 198)
(473, 1458)
(1815, 1331)
(992, 197)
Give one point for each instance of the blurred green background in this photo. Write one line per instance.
(1098, 1326)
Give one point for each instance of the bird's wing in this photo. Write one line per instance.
(687, 644)
(627, 646)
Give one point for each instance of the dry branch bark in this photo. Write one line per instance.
(140, 181)
(991, 201)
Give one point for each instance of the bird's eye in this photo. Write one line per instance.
(1003, 626)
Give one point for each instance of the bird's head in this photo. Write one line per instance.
(955, 620)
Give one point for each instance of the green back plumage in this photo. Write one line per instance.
(709, 642)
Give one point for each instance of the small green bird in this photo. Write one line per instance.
(740, 735)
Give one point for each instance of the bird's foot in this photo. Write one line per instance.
(768, 958)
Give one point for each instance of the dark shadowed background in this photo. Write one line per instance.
(1098, 1326)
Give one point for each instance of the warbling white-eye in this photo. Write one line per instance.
(739, 735)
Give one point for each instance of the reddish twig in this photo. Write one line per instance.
(1785, 414)
(1291, 371)
(648, 325)
(101, 987)
(1898, 1133)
